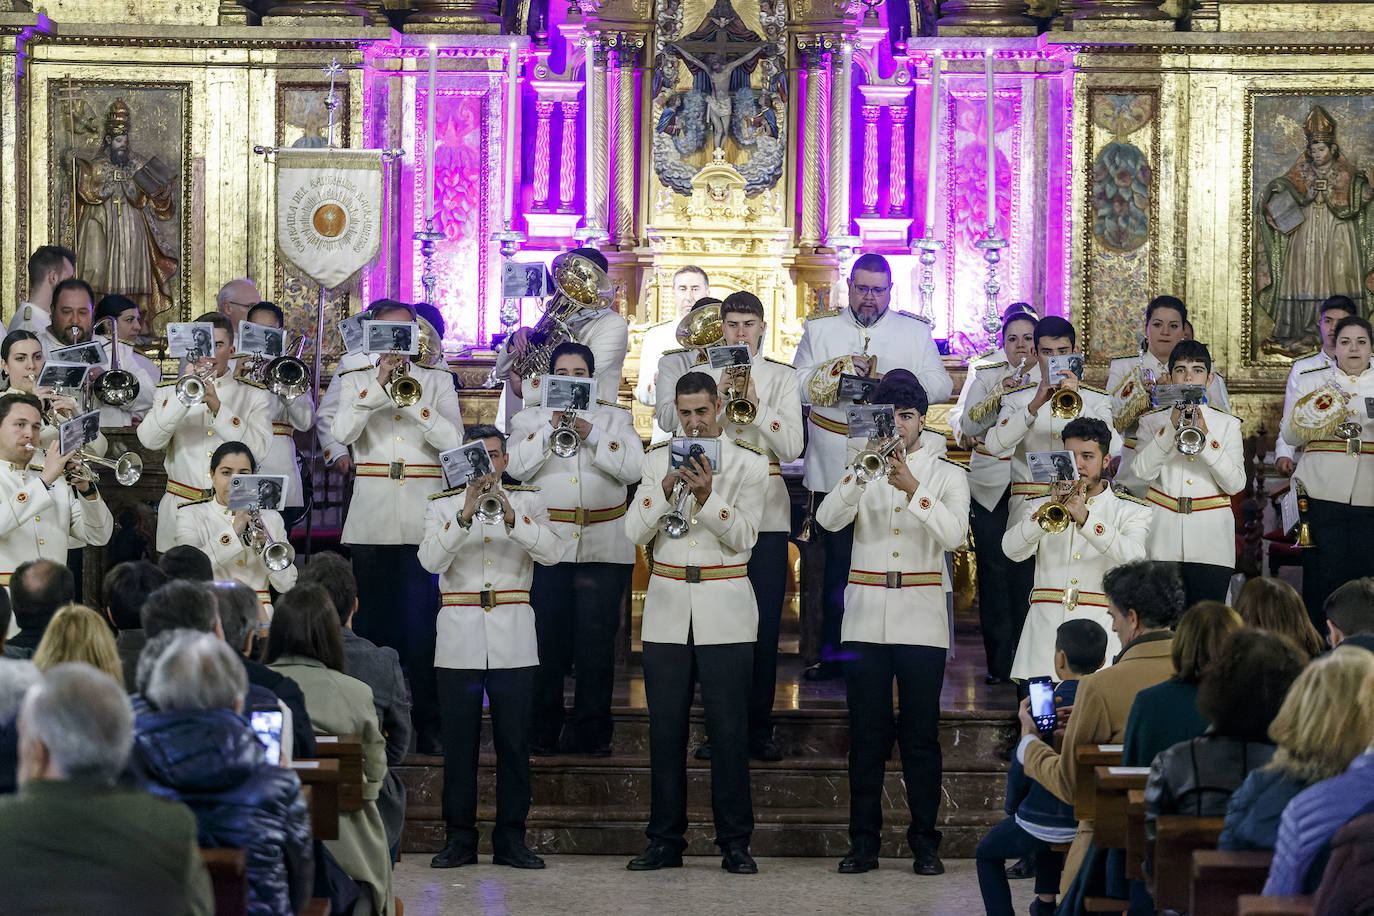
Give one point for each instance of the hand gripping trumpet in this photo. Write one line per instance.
(490, 510)
(190, 388)
(676, 523)
(276, 555)
(127, 468)
(871, 464)
(738, 408)
(1054, 516)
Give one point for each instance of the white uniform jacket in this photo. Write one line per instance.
(485, 618)
(699, 582)
(190, 435)
(207, 524)
(1216, 397)
(148, 375)
(287, 417)
(1319, 360)
(395, 452)
(1191, 494)
(896, 591)
(40, 523)
(29, 317)
(1069, 566)
(658, 339)
(1017, 432)
(1326, 471)
(777, 428)
(329, 405)
(898, 340)
(585, 493)
(989, 475)
(604, 331)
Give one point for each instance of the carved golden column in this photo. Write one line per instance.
(1135, 15)
(623, 60)
(984, 17)
(314, 8)
(837, 192)
(480, 16)
(814, 61)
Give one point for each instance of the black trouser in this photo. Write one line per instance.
(869, 670)
(576, 616)
(1341, 535)
(460, 699)
(1204, 582)
(1008, 840)
(768, 575)
(723, 671)
(838, 545)
(398, 603)
(1004, 586)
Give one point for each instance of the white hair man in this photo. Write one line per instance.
(235, 298)
(76, 729)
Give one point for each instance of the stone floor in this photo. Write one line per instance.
(576, 885)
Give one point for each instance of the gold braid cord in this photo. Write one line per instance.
(1129, 400)
(1317, 413)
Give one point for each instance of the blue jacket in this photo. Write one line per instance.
(1252, 816)
(1309, 822)
(1029, 800)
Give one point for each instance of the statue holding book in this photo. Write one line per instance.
(124, 204)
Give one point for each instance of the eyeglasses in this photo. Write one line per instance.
(871, 290)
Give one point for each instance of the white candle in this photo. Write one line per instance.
(512, 95)
(934, 142)
(992, 146)
(430, 139)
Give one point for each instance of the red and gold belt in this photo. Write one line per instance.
(584, 517)
(1339, 446)
(699, 573)
(893, 579)
(397, 470)
(283, 429)
(1071, 599)
(1187, 505)
(487, 599)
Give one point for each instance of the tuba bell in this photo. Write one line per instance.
(116, 386)
(288, 376)
(578, 283)
(700, 328)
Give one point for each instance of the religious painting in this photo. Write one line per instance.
(122, 187)
(720, 93)
(1311, 220)
(1121, 202)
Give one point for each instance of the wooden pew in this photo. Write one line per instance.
(1176, 839)
(229, 878)
(1135, 834)
(1087, 757)
(348, 750)
(1254, 905)
(1221, 877)
(320, 780)
(1112, 785)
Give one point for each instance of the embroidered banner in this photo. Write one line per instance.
(329, 211)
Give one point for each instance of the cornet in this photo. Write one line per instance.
(490, 510)
(116, 386)
(1054, 516)
(276, 555)
(191, 387)
(738, 408)
(565, 438)
(1066, 403)
(676, 523)
(871, 463)
(1188, 439)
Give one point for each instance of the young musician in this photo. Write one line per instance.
(1104, 528)
(337, 457)
(48, 508)
(21, 355)
(128, 322)
(700, 623)
(397, 453)
(865, 339)
(48, 266)
(288, 416)
(1333, 309)
(1331, 420)
(1003, 587)
(227, 536)
(486, 644)
(896, 625)
(577, 598)
(1193, 525)
(231, 410)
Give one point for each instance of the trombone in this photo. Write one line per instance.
(276, 555)
(1054, 516)
(288, 376)
(116, 386)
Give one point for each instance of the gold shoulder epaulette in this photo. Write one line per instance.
(521, 487)
(958, 464)
(454, 492)
(780, 362)
(166, 382)
(657, 445)
(750, 446)
(998, 365)
(928, 321)
(195, 502)
(1157, 409)
(250, 381)
(824, 313)
(1093, 388)
(940, 431)
(1123, 493)
(1314, 369)
(677, 350)
(611, 404)
(1024, 387)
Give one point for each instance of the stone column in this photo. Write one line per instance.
(313, 8)
(896, 174)
(544, 112)
(814, 62)
(1133, 15)
(870, 180)
(984, 17)
(567, 156)
(837, 193)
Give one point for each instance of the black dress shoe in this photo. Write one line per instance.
(767, 751)
(993, 680)
(658, 855)
(856, 863)
(453, 855)
(703, 751)
(519, 857)
(823, 671)
(1022, 868)
(926, 857)
(737, 861)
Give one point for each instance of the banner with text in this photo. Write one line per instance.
(329, 211)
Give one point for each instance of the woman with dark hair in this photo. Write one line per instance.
(1267, 603)
(124, 314)
(227, 537)
(21, 363)
(305, 644)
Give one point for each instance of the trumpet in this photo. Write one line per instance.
(490, 509)
(191, 387)
(676, 523)
(871, 463)
(1054, 516)
(565, 439)
(288, 376)
(1188, 439)
(276, 555)
(1066, 403)
(738, 408)
(127, 468)
(116, 386)
(402, 386)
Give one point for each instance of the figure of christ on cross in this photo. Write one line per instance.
(718, 72)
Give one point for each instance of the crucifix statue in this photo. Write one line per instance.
(717, 68)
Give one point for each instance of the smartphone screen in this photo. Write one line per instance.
(267, 725)
(1042, 703)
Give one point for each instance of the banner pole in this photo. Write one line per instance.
(315, 427)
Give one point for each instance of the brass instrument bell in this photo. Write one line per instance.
(700, 328)
(116, 386)
(1066, 403)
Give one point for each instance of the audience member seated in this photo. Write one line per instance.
(77, 633)
(379, 667)
(1239, 695)
(1167, 713)
(185, 561)
(304, 643)
(1347, 887)
(37, 589)
(186, 605)
(1267, 603)
(6, 618)
(71, 841)
(196, 748)
(1036, 820)
(1318, 732)
(1317, 812)
(16, 677)
(127, 586)
(1350, 614)
(1145, 599)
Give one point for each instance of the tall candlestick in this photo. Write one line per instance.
(992, 145)
(929, 227)
(512, 95)
(429, 133)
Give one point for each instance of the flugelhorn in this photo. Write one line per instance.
(565, 439)
(288, 376)
(116, 386)
(276, 555)
(676, 523)
(1054, 516)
